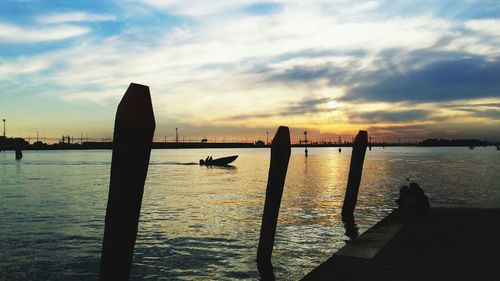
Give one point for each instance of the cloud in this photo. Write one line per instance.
(303, 107)
(309, 105)
(424, 131)
(437, 81)
(23, 66)
(403, 116)
(390, 133)
(250, 116)
(20, 34)
(198, 7)
(99, 96)
(493, 114)
(362, 7)
(489, 110)
(263, 8)
(485, 26)
(304, 74)
(476, 105)
(74, 17)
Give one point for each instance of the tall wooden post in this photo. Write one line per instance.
(132, 139)
(355, 171)
(280, 155)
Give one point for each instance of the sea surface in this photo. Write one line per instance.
(202, 223)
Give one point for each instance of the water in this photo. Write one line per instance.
(203, 223)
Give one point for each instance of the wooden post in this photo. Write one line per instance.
(280, 155)
(19, 153)
(305, 141)
(132, 139)
(355, 170)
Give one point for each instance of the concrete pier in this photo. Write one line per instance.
(450, 244)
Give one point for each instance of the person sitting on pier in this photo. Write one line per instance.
(407, 204)
(404, 192)
(412, 203)
(422, 199)
(210, 159)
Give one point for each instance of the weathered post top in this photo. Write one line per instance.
(361, 138)
(136, 108)
(281, 141)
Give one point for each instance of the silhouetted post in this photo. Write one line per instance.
(351, 228)
(280, 154)
(305, 141)
(19, 153)
(132, 139)
(354, 179)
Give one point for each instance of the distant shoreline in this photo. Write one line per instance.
(109, 145)
(19, 143)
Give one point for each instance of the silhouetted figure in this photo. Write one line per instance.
(406, 205)
(354, 179)
(412, 203)
(210, 158)
(404, 192)
(422, 199)
(280, 155)
(133, 136)
(206, 159)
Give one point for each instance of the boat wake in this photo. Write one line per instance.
(175, 163)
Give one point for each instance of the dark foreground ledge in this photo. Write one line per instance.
(451, 244)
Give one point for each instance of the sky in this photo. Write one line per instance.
(237, 69)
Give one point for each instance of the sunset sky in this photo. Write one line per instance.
(236, 69)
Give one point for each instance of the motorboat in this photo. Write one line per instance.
(224, 161)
